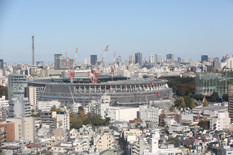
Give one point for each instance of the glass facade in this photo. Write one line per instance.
(17, 85)
(207, 83)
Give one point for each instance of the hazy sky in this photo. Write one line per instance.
(185, 28)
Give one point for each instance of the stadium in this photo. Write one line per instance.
(126, 91)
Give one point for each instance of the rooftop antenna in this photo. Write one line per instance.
(33, 57)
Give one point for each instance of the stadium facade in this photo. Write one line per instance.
(83, 91)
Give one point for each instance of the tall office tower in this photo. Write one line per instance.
(159, 58)
(17, 85)
(179, 59)
(1, 64)
(138, 58)
(93, 59)
(33, 54)
(61, 63)
(119, 60)
(131, 59)
(216, 63)
(204, 58)
(56, 56)
(85, 61)
(39, 63)
(170, 58)
(152, 58)
(230, 102)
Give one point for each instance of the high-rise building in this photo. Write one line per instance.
(119, 60)
(1, 64)
(33, 96)
(19, 108)
(159, 58)
(179, 59)
(138, 58)
(40, 63)
(17, 85)
(93, 59)
(152, 58)
(170, 58)
(85, 61)
(216, 63)
(230, 102)
(131, 59)
(56, 56)
(61, 63)
(204, 58)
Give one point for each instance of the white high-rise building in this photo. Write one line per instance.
(152, 58)
(85, 61)
(63, 120)
(47, 105)
(33, 96)
(159, 58)
(131, 59)
(220, 122)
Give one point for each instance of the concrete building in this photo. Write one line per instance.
(170, 58)
(33, 95)
(63, 120)
(230, 102)
(4, 102)
(19, 108)
(122, 113)
(56, 56)
(49, 118)
(204, 58)
(220, 122)
(47, 105)
(131, 59)
(61, 63)
(179, 59)
(138, 58)
(150, 114)
(17, 85)
(159, 58)
(227, 150)
(7, 130)
(93, 59)
(106, 141)
(24, 128)
(1, 64)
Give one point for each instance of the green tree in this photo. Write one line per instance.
(193, 104)
(80, 108)
(214, 96)
(53, 108)
(188, 101)
(32, 110)
(171, 109)
(4, 91)
(225, 97)
(174, 141)
(204, 124)
(181, 93)
(205, 103)
(82, 115)
(182, 102)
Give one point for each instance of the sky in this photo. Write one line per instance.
(187, 29)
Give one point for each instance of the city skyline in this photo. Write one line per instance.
(185, 29)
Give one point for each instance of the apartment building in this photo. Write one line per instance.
(7, 129)
(19, 108)
(63, 120)
(49, 118)
(106, 141)
(220, 122)
(47, 105)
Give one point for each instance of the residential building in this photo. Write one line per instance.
(19, 108)
(17, 85)
(122, 113)
(138, 58)
(106, 141)
(227, 150)
(49, 118)
(150, 114)
(47, 105)
(33, 95)
(93, 59)
(63, 120)
(230, 102)
(61, 134)
(24, 128)
(7, 131)
(220, 122)
(4, 102)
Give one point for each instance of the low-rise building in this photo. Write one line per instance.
(106, 141)
(220, 122)
(47, 105)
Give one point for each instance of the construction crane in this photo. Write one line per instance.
(201, 108)
(113, 63)
(46, 68)
(71, 73)
(96, 73)
(159, 96)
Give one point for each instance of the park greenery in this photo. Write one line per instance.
(84, 119)
(4, 91)
(175, 141)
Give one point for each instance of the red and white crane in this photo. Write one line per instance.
(201, 108)
(71, 72)
(113, 63)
